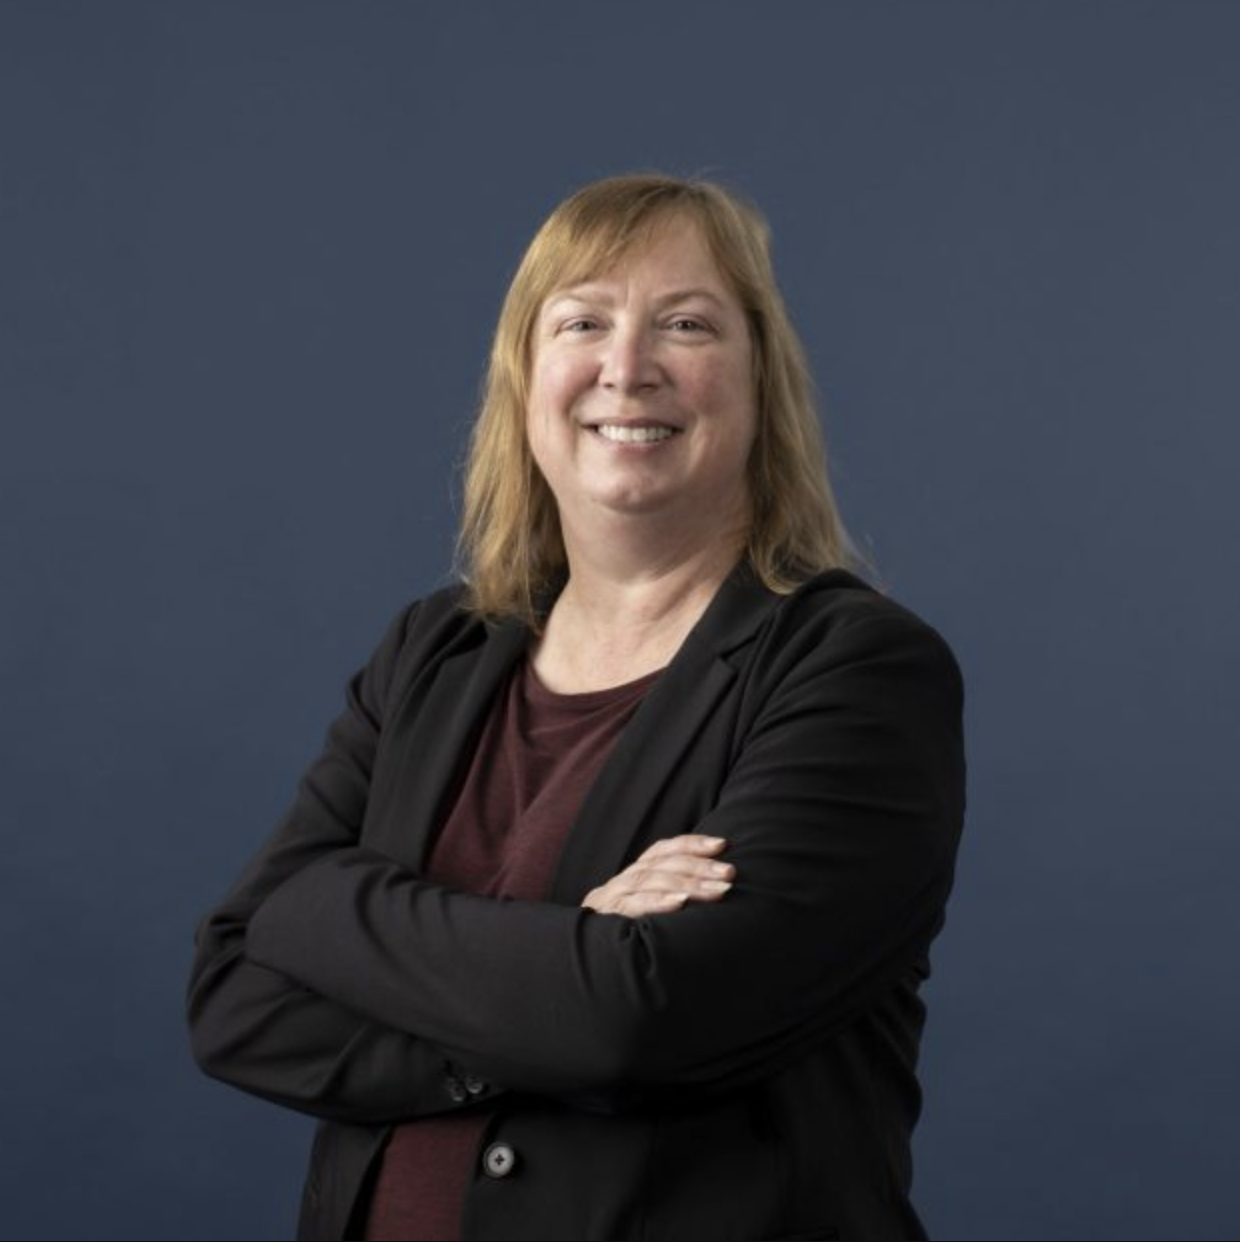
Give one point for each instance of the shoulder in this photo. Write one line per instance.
(837, 618)
(433, 617)
(840, 598)
(424, 629)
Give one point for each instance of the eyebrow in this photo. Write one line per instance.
(595, 293)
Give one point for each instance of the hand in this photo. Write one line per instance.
(669, 874)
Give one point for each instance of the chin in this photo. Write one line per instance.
(633, 506)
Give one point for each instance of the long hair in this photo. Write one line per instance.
(511, 552)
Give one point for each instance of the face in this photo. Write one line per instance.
(641, 391)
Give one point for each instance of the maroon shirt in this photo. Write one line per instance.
(537, 756)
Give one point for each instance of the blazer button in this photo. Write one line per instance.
(475, 1085)
(456, 1090)
(499, 1160)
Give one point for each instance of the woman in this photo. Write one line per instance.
(604, 909)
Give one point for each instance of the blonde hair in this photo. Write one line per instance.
(510, 551)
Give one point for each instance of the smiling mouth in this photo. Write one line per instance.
(648, 433)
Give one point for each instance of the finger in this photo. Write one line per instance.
(691, 866)
(657, 893)
(689, 843)
(667, 869)
(634, 905)
(671, 880)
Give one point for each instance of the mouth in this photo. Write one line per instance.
(644, 432)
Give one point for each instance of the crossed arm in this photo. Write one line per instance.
(334, 981)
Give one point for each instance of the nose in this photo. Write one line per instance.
(629, 363)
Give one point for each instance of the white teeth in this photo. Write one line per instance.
(634, 435)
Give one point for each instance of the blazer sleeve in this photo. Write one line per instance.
(842, 811)
(268, 1033)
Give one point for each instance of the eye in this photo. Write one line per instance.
(584, 324)
(684, 323)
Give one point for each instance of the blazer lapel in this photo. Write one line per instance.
(650, 750)
(439, 737)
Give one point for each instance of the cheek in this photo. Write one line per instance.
(555, 381)
(730, 392)
(537, 428)
(541, 407)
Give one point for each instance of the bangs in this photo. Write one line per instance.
(589, 243)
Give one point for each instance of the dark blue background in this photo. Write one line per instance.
(250, 258)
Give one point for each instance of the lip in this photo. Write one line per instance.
(595, 424)
(632, 443)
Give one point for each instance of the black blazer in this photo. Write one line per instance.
(740, 1069)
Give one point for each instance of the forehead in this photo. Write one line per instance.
(674, 251)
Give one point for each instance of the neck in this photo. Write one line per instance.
(621, 616)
